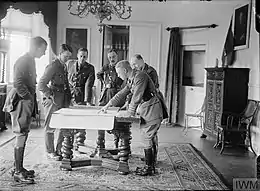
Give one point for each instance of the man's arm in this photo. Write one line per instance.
(89, 85)
(45, 79)
(19, 79)
(139, 86)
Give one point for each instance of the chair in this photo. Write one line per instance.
(198, 114)
(237, 123)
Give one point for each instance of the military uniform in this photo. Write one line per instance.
(22, 106)
(57, 95)
(111, 85)
(81, 80)
(146, 103)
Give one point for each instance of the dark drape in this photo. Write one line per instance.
(173, 75)
(48, 9)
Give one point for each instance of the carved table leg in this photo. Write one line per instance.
(80, 138)
(124, 147)
(66, 150)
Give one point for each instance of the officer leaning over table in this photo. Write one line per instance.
(144, 102)
(56, 95)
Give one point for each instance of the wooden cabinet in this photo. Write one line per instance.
(2, 102)
(226, 91)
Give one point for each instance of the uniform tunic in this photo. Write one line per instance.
(111, 84)
(21, 100)
(144, 102)
(81, 80)
(54, 82)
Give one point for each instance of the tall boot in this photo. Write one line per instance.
(28, 173)
(148, 168)
(19, 175)
(100, 142)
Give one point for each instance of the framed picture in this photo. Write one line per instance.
(77, 37)
(241, 25)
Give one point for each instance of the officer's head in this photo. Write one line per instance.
(137, 62)
(112, 56)
(82, 55)
(38, 46)
(65, 52)
(123, 69)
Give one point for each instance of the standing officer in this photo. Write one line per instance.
(138, 63)
(145, 102)
(57, 95)
(111, 85)
(21, 104)
(81, 75)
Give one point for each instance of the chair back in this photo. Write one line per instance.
(249, 112)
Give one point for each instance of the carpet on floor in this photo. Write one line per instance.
(180, 167)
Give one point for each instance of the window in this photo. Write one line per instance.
(193, 68)
(19, 45)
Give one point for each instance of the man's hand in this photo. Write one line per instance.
(125, 106)
(104, 109)
(124, 114)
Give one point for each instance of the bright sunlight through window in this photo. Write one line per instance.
(19, 45)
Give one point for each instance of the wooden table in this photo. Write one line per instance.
(87, 117)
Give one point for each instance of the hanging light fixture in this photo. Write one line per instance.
(101, 9)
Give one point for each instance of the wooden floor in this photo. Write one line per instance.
(233, 163)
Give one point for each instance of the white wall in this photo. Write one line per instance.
(168, 14)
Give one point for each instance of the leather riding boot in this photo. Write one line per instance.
(148, 168)
(100, 142)
(116, 140)
(19, 174)
(29, 173)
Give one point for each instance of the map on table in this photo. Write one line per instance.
(87, 117)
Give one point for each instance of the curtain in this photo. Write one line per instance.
(48, 9)
(173, 75)
(29, 25)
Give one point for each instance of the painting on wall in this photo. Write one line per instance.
(241, 26)
(76, 38)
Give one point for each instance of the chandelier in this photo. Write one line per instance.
(101, 9)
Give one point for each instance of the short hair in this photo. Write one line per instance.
(138, 56)
(124, 64)
(112, 50)
(65, 47)
(82, 50)
(37, 42)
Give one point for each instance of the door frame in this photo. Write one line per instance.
(193, 47)
(137, 23)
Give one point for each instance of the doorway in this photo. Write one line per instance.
(115, 37)
(192, 81)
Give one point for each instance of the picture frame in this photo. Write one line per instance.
(77, 36)
(241, 25)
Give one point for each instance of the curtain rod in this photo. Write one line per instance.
(193, 27)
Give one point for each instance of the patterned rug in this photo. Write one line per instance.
(180, 167)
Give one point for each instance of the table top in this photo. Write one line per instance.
(90, 117)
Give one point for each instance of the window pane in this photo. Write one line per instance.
(19, 45)
(193, 68)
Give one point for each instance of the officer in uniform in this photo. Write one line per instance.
(111, 85)
(144, 102)
(81, 76)
(56, 95)
(138, 63)
(22, 106)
